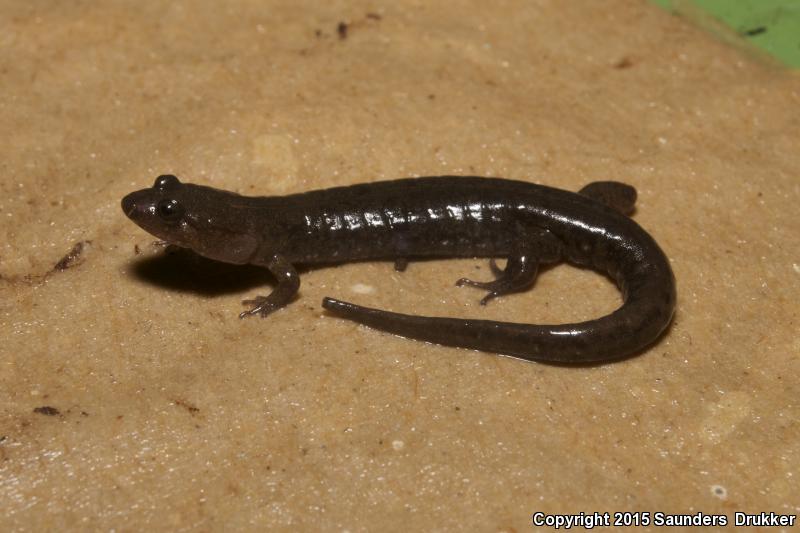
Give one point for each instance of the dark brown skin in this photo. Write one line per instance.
(446, 216)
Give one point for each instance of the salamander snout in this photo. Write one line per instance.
(129, 204)
(159, 215)
(145, 203)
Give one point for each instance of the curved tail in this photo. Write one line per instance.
(644, 316)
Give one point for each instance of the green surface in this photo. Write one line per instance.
(772, 25)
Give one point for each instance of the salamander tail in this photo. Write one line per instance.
(584, 342)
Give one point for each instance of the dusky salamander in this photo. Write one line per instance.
(446, 216)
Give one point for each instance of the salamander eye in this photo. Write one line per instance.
(164, 181)
(169, 210)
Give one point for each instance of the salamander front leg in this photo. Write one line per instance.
(519, 274)
(288, 284)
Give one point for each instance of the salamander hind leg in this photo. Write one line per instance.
(533, 247)
(519, 274)
(496, 270)
(400, 264)
(616, 195)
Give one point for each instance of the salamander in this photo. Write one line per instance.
(436, 217)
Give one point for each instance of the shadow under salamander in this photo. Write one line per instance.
(182, 270)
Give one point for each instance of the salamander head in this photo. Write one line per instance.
(208, 221)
